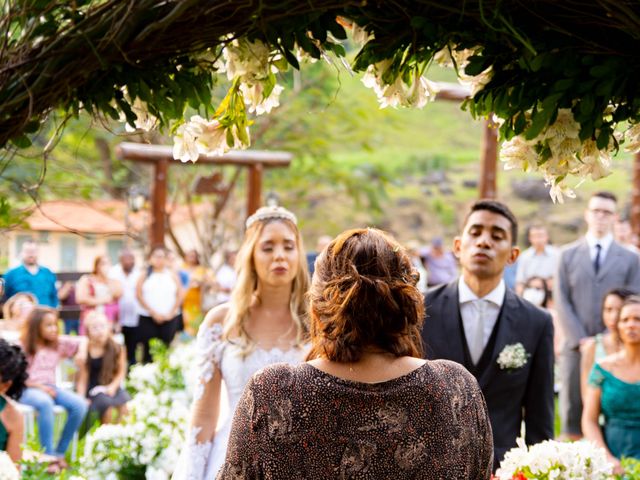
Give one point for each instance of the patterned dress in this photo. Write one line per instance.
(202, 460)
(297, 422)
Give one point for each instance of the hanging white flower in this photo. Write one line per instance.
(632, 137)
(254, 97)
(559, 190)
(421, 92)
(144, 120)
(250, 60)
(359, 35)
(519, 154)
(200, 136)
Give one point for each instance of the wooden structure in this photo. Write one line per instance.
(487, 183)
(161, 157)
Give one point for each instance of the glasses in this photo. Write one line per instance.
(600, 211)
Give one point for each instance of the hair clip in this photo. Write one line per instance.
(268, 213)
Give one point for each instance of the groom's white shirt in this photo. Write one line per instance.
(469, 310)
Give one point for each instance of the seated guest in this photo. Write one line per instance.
(45, 349)
(595, 348)
(614, 392)
(365, 405)
(15, 312)
(101, 369)
(13, 374)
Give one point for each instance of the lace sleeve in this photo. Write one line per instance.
(209, 347)
(193, 463)
(596, 377)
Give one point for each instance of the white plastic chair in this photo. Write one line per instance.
(59, 413)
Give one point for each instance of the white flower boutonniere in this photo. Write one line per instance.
(512, 357)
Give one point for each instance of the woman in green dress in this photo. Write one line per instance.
(614, 392)
(13, 375)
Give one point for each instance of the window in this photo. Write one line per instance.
(114, 247)
(68, 254)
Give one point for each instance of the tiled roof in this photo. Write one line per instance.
(73, 215)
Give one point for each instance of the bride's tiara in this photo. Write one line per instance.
(267, 213)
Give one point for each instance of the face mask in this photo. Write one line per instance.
(534, 295)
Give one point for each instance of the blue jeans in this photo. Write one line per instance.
(74, 404)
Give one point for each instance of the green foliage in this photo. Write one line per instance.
(631, 469)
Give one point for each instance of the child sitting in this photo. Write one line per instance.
(101, 369)
(45, 349)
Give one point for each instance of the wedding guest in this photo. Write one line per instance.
(15, 312)
(96, 291)
(263, 323)
(321, 243)
(539, 260)
(102, 367)
(200, 280)
(614, 392)
(226, 277)
(536, 290)
(127, 274)
(587, 269)
(13, 375)
(365, 405)
(603, 344)
(624, 235)
(67, 297)
(45, 349)
(32, 277)
(441, 265)
(159, 294)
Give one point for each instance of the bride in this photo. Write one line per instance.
(263, 323)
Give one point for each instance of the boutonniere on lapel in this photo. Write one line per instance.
(512, 357)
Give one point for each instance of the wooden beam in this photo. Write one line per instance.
(142, 152)
(634, 213)
(159, 203)
(254, 188)
(489, 163)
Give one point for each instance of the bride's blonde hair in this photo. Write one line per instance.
(245, 292)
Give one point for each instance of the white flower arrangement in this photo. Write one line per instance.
(555, 460)
(147, 444)
(512, 357)
(8, 470)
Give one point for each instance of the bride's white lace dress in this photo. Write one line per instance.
(202, 460)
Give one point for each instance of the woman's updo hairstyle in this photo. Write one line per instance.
(363, 296)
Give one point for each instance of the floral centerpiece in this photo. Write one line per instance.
(555, 460)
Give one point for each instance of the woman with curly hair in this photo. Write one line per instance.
(365, 404)
(13, 375)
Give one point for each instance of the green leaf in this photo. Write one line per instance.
(32, 126)
(477, 64)
(291, 58)
(21, 141)
(336, 29)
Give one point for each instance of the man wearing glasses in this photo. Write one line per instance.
(587, 269)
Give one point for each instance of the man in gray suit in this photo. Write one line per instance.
(587, 269)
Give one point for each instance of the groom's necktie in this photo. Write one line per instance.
(476, 346)
(596, 261)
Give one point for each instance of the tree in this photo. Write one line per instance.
(560, 75)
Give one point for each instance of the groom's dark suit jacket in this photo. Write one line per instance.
(511, 396)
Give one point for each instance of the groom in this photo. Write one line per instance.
(503, 340)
